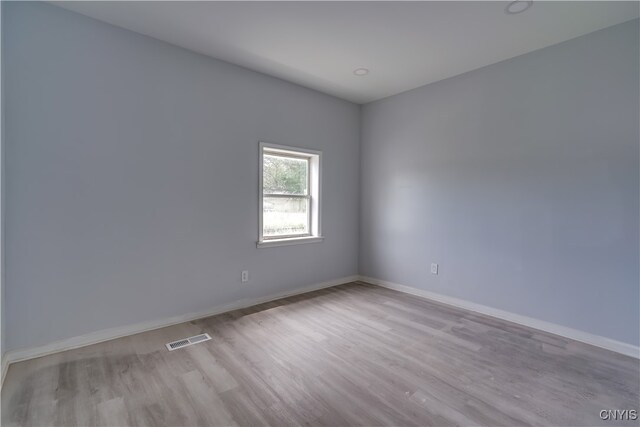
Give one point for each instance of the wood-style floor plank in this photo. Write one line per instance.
(354, 354)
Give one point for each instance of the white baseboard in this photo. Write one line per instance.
(5, 367)
(563, 331)
(19, 355)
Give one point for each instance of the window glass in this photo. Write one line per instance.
(285, 175)
(285, 216)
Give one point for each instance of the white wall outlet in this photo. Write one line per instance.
(434, 268)
(245, 276)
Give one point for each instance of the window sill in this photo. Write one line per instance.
(290, 241)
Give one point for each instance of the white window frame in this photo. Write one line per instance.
(314, 196)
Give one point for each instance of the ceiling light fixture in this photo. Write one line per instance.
(361, 72)
(518, 6)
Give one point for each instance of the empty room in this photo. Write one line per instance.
(320, 213)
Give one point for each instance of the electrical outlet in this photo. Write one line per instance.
(245, 276)
(434, 268)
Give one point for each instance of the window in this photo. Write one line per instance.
(289, 195)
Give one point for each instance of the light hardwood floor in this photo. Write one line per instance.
(354, 354)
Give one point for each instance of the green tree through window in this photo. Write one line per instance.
(285, 175)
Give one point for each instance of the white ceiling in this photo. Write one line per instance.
(319, 44)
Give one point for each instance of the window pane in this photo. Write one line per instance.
(283, 216)
(284, 175)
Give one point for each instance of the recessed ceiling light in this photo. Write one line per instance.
(518, 6)
(361, 72)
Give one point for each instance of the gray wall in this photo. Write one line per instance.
(132, 175)
(520, 179)
(131, 185)
(2, 204)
